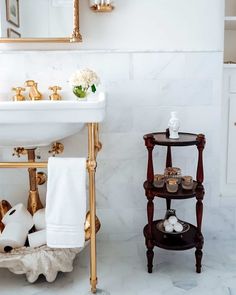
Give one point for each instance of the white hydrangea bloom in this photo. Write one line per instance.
(84, 78)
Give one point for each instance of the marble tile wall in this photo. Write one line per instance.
(142, 88)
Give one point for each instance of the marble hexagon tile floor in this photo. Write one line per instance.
(122, 271)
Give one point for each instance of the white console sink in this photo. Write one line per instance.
(39, 123)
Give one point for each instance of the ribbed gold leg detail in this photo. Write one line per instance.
(92, 203)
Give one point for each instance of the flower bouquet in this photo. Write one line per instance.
(84, 81)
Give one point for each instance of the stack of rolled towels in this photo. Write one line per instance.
(18, 224)
(172, 224)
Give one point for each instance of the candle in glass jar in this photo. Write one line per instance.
(159, 180)
(187, 182)
(172, 185)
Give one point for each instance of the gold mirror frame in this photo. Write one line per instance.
(75, 37)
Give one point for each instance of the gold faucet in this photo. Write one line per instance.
(18, 95)
(34, 94)
(55, 95)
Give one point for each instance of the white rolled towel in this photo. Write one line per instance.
(39, 219)
(13, 236)
(178, 227)
(169, 228)
(37, 238)
(172, 220)
(19, 214)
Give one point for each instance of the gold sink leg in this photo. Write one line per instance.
(92, 203)
(34, 202)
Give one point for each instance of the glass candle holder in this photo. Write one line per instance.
(159, 180)
(187, 182)
(172, 185)
(173, 172)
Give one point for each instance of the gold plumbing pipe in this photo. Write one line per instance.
(34, 202)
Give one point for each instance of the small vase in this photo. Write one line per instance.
(174, 125)
(80, 92)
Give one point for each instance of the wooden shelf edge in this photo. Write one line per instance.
(173, 242)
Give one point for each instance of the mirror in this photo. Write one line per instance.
(39, 21)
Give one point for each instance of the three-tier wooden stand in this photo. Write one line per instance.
(193, 238)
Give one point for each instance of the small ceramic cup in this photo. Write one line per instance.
(159, 180)
(187, 182)
(172, 185)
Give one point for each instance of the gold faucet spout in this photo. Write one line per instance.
(34, 93)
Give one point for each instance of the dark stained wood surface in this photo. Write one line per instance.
(163, 193)
(185, 139)
(179, 242)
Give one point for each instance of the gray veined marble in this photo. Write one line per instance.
(122, 271)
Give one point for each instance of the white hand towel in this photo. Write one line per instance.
(66, 202)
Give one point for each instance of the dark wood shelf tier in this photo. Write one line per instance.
(185, 139)
(177, 242)
(163, 193)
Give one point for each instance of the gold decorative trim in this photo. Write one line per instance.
(76, 37)
(35, 40)
(102, 8)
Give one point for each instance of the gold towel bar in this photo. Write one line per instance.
(23, 165)
(26, 164)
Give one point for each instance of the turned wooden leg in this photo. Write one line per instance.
(198, 255)
(199, 206)
(199, 236)
(149, 240)
(150, 255)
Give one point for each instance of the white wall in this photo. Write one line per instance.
(158, 56)
(163, 25)
(155, 24)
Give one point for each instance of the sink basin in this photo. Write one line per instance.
(39, 123)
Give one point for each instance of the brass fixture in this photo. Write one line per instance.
(34, 202)
(93, 140)
(87, 227)
(41, 178)
(55, 95)
(57, 148)
(19, 151)
(4, 207)
(101, 6)
(1, 226)
(75, 37)
(34, 94)
(18, 95)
